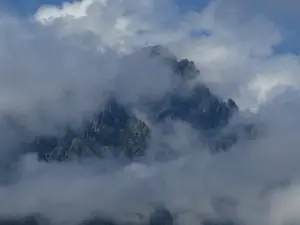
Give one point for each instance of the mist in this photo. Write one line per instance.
(59, 67)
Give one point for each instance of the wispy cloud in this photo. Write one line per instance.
(58, 66)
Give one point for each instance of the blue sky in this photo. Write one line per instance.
(30, 6)
(27, 7)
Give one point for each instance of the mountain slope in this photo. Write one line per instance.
(117, 131)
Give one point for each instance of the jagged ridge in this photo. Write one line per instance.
(117, 131)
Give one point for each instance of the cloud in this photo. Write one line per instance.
(57, 67)
(232, 48)
(272, 8)
(48, 82)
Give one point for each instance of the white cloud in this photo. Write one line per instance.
(235, 54)
(236, 59)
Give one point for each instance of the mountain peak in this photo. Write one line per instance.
(117, 131)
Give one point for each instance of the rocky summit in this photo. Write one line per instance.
(113, 132)
(117, 131)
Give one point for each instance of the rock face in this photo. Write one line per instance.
(200, 108)
(117, 131)
(113, 131)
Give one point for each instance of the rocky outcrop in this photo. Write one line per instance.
(113, 132)
(116, 131)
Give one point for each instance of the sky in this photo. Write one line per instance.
(30, 6)
(287, 22)
(27, 7)
(66, 59)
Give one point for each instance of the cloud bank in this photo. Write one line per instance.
(57, 68)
